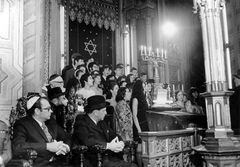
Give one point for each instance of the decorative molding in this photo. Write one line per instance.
(47, 41)
(3, 74)
(104, 14)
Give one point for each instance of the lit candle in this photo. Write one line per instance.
(145, 50)
(182, 87)
(141, 49)
(149, 51)
(195, 3)
(173, 88)
(157, 52)
(165, 54)
(162, 54)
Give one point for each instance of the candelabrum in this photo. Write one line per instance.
(157, 55)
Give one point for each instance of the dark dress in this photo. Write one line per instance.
(142, 118)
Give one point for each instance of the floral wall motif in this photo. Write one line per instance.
(103, 14)
(161, 146)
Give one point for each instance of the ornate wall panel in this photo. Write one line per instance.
(11, 57)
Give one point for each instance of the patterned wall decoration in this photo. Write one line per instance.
(101, 13)
(11, 57)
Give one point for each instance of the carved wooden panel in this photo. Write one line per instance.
(167, 148)
(10, 55)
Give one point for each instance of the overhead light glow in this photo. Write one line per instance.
(169, 29)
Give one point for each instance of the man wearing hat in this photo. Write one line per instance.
(58, 103)
(91, 130)
(55, 80)
(235, 104)
(39, 132)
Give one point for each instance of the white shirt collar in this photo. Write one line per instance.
(39, 122)
(93, 120)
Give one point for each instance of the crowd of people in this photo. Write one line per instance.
(72, 111)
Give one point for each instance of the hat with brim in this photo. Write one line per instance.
(55, 93)
(95, 103)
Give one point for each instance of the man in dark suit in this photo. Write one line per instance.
(37, 131)
(105, 72)
(68, 74)
(91, 130)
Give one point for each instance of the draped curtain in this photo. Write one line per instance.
(104, 13)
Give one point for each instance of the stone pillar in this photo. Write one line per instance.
(134, 47)
(220, 148)
(35, 45)
(149, 44)
(41, 43)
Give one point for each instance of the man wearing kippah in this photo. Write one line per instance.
(39, 132)
(91, 130)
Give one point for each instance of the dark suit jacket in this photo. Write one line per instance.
(65, 69)
(86, 132)
(68, 75)
(235, 110)
(28, 134)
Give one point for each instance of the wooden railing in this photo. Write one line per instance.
(169, 148)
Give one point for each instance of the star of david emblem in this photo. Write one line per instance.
(91, 49)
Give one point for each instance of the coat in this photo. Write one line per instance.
(27, 134)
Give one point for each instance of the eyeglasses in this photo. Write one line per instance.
(47, 109)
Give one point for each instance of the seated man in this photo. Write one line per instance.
(90, 130)
(37, 131)
(5, 144)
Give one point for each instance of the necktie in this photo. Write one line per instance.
(45, 130)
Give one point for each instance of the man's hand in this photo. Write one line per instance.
(58, 147)
(115, 145)
(63, 149)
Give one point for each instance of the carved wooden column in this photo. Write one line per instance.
(220, 148)
(149, 43)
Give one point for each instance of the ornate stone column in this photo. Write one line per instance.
(134, 48)
(220, 148)
(149, 43)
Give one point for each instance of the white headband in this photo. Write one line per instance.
(32, 101)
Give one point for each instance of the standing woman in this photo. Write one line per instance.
(96, 84)
(139, 106)
(123, 115)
